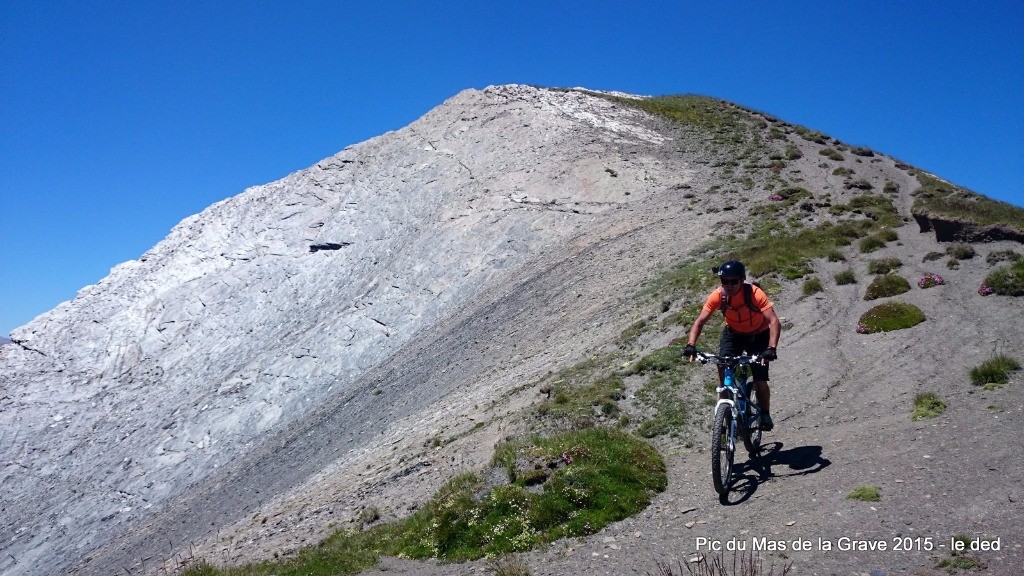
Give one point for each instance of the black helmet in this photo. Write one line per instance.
(730, 269)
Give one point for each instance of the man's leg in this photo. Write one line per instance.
(764, 400)
(764, 395)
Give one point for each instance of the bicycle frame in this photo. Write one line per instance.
(736, 415)
(739, 393)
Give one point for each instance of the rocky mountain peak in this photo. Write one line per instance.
(288, 352)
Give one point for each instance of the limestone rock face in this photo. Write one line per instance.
(256, 311)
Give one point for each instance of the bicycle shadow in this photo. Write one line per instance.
(748, 475)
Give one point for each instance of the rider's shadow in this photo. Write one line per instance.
(773, 462)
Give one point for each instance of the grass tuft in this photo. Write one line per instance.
(1007, 280)
(865, 494)
(812, 286)
(995, 371)
(927, 405)
(846, 277)
(884, 265)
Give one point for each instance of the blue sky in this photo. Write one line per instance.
(118, 119)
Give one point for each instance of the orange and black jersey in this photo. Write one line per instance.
(738, 315)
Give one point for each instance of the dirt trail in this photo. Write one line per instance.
(629, 195)
(842, 404)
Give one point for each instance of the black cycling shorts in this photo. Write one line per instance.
(734, 344)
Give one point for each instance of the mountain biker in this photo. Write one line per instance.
(750, 326)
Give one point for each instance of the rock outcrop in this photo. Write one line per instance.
(296, 353)
(253, 313)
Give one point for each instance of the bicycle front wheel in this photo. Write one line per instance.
(723, 449)
(752, 436)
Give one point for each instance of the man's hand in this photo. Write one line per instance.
(769, 354)
(690, 352)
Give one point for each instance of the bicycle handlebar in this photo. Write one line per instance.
(704, 358)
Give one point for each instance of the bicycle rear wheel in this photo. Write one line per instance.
(723, 450)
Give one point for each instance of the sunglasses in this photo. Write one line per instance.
(732, 282)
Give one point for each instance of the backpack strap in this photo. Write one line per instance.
(748, 295)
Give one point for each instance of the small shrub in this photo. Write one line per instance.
(927, 405)
(932, 256)
(960, 251)
(1001, 256)
(871, 243)
(878, 240)
(957, 563)
(953, 264)
(890, 316)
(891, 188)
(995, 370)
(861, 151)
(930, 280)
(884, 265)
(812, 286)
(835, 256)
(1006, 281)
(846, 277)
(860, 185)
(865, 494)
(885, 286)
(793, 153)
(842, 171)
(506, 566)
(831, 154)
(816, 137)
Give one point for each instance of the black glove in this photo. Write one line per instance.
(690, 351)
(769, 355)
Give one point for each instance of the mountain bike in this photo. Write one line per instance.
(737, 417)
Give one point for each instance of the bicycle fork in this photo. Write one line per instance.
(733, 427)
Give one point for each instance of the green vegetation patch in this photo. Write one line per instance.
(831, 154)
(884, 265)
(927, 405)
(663, 359)
(961, 251)
(846, 277)
(579, 396)
(938, 198)
(959, 558)
(995, 371)
(885, 286)
(890, 316)
(660, 394)
(878, 240)
(812, 286)
(865, 494)
(1002, 256)
(1008, 280)
(687, 109)
(591, 478)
